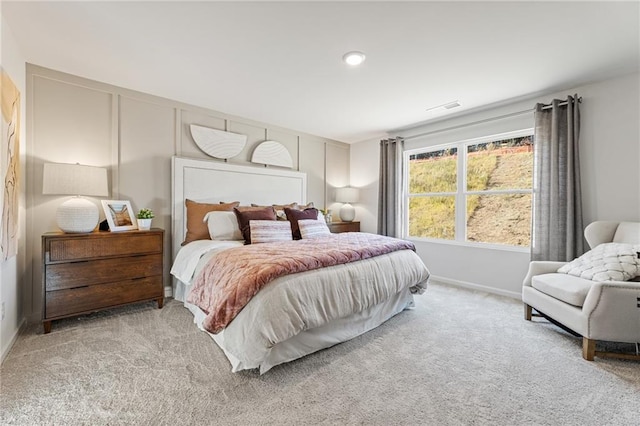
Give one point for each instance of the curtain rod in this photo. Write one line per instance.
(486, 120)
(563, 103)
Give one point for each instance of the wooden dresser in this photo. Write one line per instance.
(84, 273)
(338, 227)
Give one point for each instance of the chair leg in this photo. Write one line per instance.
(588, 348)
(527, 312)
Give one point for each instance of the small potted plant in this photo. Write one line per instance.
(144, 219)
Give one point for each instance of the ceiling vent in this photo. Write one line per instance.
(448, 105)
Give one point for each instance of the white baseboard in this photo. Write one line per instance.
(5, 351)
(168, 292)
(473, 286)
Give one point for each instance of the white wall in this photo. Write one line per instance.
(134, 135)
(609, 156)
(11, 271)
(365, 173)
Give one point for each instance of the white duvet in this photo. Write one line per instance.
(358, 296)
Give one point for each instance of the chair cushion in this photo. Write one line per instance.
(567, 288)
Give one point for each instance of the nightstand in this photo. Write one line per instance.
(84, 273)
(338, 227)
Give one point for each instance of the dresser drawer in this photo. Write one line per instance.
(77, 274)
(91, 247)
(84, 273)
(339, 227)
(86, 299)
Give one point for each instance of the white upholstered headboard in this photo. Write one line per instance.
(214, 181)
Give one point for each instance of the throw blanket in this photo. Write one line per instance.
(231, 278)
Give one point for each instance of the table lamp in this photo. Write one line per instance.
(76, 215)
(347, 195)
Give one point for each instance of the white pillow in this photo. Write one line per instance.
(606, 262)
(269, 231)
(310, 228)
(223, 226)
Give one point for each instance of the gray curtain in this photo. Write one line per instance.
(557, 199)
(390, 194)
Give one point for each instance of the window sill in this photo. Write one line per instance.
(487, 246)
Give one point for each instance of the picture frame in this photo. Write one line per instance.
(119, 214)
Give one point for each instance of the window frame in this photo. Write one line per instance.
(461, 193)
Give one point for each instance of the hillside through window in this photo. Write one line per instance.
(475, 191)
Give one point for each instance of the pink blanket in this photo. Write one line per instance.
(231, 278)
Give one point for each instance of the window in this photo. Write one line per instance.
(476, 191)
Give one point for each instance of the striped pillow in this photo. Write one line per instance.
(310, 228)
(294, 215)
(269, 231)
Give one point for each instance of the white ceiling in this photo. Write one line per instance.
(280, 63)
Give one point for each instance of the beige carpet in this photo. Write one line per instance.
(459, 358)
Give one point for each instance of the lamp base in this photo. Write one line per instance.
(77, 215)
(347, 213)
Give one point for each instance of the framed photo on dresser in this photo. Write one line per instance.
(119, 214)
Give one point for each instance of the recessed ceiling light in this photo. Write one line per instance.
(354, 58)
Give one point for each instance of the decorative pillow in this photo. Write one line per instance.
(196, 227)
(293, 205)
(247, 214)
(223, 226)
(269, 231)
(310, 228)
(280, 209)
(251, 208)
(606, 262)
(309, 205)
(294, 216)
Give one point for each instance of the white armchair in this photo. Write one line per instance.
(607, 310)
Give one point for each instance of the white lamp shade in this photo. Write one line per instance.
(76, 215)
(74, 179)
(347, 195)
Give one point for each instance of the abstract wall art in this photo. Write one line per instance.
(272, 153)
(9, 165)
(218, 143)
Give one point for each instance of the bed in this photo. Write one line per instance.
(299, 309)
